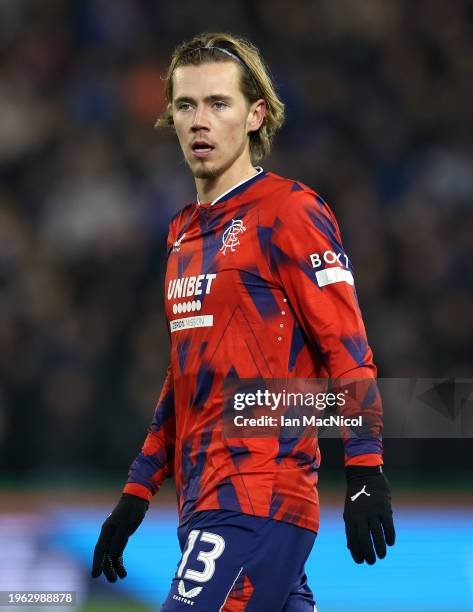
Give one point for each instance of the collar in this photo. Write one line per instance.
(233, 191)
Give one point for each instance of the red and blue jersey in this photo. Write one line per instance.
(258, 285)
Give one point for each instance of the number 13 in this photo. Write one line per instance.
(207, 558)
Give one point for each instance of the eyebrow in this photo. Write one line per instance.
(212, 98)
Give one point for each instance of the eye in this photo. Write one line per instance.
(184, 106)
(219, 105)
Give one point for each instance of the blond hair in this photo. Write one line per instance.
(256, 81)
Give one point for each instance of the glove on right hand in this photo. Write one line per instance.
(118, 527)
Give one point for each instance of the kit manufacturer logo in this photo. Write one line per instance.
(177, 244)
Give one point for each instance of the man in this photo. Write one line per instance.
(257, 286)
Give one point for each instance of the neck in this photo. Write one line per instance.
(210, 189)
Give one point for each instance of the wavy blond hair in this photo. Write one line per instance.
(255, 82)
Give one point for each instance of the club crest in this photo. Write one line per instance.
(230, 238)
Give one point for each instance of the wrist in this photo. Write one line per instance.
(135, 499)
(138, 490)
(353, 472)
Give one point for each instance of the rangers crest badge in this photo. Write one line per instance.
(230, 238)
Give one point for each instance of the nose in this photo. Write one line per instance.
(200, 119)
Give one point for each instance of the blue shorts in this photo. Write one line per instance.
(241, 563)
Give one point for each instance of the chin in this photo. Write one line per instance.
(207, 171)
(210, 170)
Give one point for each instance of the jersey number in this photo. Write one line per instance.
(207, 558)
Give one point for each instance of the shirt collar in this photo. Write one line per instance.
(236, 188)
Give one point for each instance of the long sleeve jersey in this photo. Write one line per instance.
(258, 285)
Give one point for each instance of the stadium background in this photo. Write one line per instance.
(379, 121)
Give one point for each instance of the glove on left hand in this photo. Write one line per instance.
(368, 514)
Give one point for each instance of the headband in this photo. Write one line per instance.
(227, 52)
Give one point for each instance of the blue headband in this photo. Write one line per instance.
(229, 53)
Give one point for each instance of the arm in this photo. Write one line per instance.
(309, 262)
(155, 462)
(152, 465)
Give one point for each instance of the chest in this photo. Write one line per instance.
(216, 264)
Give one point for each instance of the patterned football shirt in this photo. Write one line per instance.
(258, 285)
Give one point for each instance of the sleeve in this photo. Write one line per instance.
(155, 462)
(309, 262)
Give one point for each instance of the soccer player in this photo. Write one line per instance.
(257, 286)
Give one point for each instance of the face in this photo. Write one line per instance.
(212, 117)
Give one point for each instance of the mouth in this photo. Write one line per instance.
(201, 149)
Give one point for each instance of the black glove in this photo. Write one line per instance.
(368, 515)
(122, 522)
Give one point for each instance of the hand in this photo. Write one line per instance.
(122, 522)
(368, 515)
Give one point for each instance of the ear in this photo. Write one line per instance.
(256, 116)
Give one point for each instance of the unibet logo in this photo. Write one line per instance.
(189, 286)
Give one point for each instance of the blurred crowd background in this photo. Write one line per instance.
(379, 122)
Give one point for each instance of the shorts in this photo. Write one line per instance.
(236, 562)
